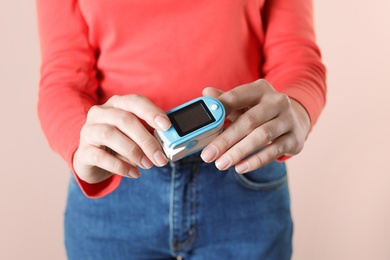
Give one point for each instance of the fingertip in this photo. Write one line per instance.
(133, 173)
(212, 92)
(242, 168)
(206, 90)
(209, 154)
(162, 122)
(160, 158)
(146, 163)
(224, 162)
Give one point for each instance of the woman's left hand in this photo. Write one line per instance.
(261, 117)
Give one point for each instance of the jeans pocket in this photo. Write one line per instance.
(269, 177)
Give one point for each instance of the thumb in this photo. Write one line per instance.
(215, 93)
(212, 92)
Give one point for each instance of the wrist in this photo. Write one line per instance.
(302, 115)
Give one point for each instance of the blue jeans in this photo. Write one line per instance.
(188, 209)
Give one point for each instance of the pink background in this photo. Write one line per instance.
(339, 183)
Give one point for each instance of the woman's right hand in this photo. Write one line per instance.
(114, 141)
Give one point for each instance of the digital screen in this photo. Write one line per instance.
(191, 118)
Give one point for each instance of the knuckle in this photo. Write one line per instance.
(279, 149)
(124, 120)
(105, 132)
(266, 133)
(114, 97)
(265, 85)
(148, 143)
(258, 160)
(115, 101)
(133, 152)
(283, 100)
(223, 143)
(97, 157)
(88, 133)
(135, 97)
(263, 82)
(119, 167)
(132, 100)
(241, 152)
(93, 112)
(250, 120)
(237, 153)
(232, 97)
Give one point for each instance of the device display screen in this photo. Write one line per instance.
(191, 118)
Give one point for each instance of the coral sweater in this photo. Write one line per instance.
(168, 51)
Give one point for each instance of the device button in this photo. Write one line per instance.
(191, 144)
(214, 106)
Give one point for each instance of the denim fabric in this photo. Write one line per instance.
(187, 209)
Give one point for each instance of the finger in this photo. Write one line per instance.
(236, 114)
(106, 135)
(215, 93)
(258, 138)
(281, 146)
(212, 92)
(244, 96)
(130, 125)
(240, 128)
(106, 161)
(145, 162)
(143, 108)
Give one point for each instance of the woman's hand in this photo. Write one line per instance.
(262, 117)
(114, 141)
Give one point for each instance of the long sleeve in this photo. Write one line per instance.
(167, 53)
(292, 58)
(68, 85)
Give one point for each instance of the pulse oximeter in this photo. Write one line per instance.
(194, 125)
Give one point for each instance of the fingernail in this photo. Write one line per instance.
(162, 122)
(242, 168)
(133, 173)
(223, 162)
(209, 153)
(146, 163)
(160, 158)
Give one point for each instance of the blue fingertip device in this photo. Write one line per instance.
(194, 125)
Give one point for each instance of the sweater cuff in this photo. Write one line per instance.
(98, 190)
(283, 158)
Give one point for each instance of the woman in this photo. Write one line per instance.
(109, 71)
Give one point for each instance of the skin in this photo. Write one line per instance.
(113, 140)
(262, 117)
